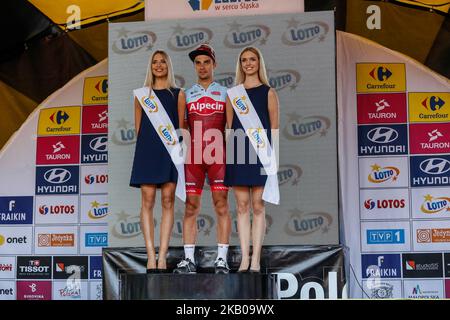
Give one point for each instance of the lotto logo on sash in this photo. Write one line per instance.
(382, 108)
(382, 140)
(94, 149)
(430, 170)
(95, 91)
(382, 77)
(427, 138)
(58, 150)
(59, 121)
(57, 180)
(94, 179)
(429, 106)
(95, 119)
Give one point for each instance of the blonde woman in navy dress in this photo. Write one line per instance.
(152, 165)
(246, 179)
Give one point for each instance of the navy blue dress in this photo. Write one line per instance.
(152, 163)
(248, 174)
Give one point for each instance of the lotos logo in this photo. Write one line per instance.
(435, 205)
(102, 87)
(225, 79)
(183, 39)
(150, 103)
(96, 178)
(369, 204)
(380, 73)
(59, 117)
(98, 210)
(382, 135)
(384, 204)
(379, 175)
(281, 79)
(129, 42)
(165, 132)
(289, 173)
(99, 144)
(303, 224)
(58, 209)
(435, 166)
(124, 134)
(298, 34)
(240, 104)
(256, 137)
(300, 128)
(206, 106)
(197, 5)
(126, 226)
(241, 36)
(433, 103)
(57, 175)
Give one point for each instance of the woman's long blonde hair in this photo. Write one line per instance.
(149, 79)
(262, 73)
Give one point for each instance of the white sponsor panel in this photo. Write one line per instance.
(383, 172)
(7, 290)
(382, 289)
(94, 179)
(16, 240)
(431, 235)
(430, 203)
(56, 240)
(70, 289)
(7, 267)
(384, 204)
(93, 239)
(385, 236)
(95, 290)
(56, 209)
(423, 289)
(94, 208)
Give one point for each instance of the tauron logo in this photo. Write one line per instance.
(381, 105)
(58, 147)
(59, 117)
(380, 73)
(57, 175)
(433, 103)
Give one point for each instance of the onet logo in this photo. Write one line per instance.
(197, 5)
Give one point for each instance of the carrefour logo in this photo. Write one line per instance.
(240, 104)
(300, 128)
(165, 132)
(150, 103)
(380, 73)
(124, 134)
(298, 34)
(433, 103)
(282, 79)
(57, 175)
(102, 87)
(184, 39)
(240, 36)
(59, 117)
(303, 224)
(435, 166)
(129, 42)
(432, 205)
(379, 174)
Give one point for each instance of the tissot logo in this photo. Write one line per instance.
(35, 267)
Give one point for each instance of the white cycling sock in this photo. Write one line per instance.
(222, 251)
(189, 250)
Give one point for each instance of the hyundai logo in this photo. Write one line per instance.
(382, 135)
(99, 144)
(435, 166)
(57, 175)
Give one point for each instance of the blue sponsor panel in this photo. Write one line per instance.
(386, 236)
(57, 180)
(94, 149)
(382, 140)
(430, 170)
(95, 267)
(381, 266)
(16, 210)
(99, 239)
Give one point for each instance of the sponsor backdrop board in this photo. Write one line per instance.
(53, 196)
(394, 145)
(299, 53)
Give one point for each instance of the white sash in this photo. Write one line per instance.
(159, 119)
(246, 113)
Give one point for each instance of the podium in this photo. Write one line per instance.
(139, 286)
